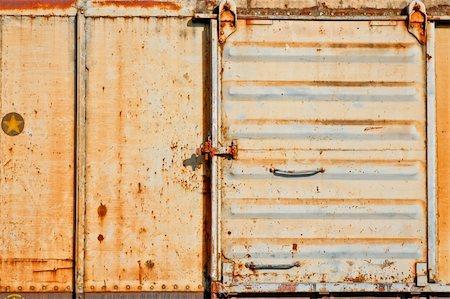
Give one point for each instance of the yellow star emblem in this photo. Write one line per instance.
(13, 124)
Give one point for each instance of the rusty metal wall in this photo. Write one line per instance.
(344, 103)
(146, 193)
(37, 166)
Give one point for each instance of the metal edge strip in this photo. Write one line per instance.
(431, 154)
(80, 183)
(214, 270)
(200, 16)
(379, 288)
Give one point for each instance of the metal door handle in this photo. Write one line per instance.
(296, 174)
(252, 266)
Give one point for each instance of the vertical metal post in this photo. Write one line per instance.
(431, 155)
(214, 270)
(80, 143)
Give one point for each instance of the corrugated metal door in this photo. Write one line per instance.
(330, 181)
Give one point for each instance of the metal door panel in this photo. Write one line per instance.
(145, 194)
(348, 99)
(37, 81)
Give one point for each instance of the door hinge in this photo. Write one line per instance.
(421, 274)
(227, 19)
(417, 21)
(208, 150)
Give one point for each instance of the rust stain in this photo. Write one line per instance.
(386, 264)
(141, 4)
(102, 210)
(372, 128)
(287, 288)
(359, 278)
(36, 4)
(140, 272)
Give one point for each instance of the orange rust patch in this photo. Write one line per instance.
(141, 4)
(102, 210)
(36, 4)
(287, 288)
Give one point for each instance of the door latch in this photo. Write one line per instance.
(209, 151)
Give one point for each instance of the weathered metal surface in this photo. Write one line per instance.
(431, 157)
(345, 97)
(38, 7)
(30, 295)
(147, 110)
(148, 295)
(80, 179)
(37, 166)
(442, 59)
(260, 7)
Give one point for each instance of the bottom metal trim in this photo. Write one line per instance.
(335, 288)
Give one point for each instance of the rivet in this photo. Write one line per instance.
(32, 288)
(139, 287)
(221, 32)
(92, 287)
(128, 287)
(199, 286)
(55, 288)
(116, 287)
(19, 288)
(175, 287)
(68, 288)
(152, 287)
(44, 287)
(163, 286)
(187, 287)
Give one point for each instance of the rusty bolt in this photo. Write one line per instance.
(92, 287)
(44, 287)
(116, 287)
(187, 287)
(32, 288)
(221, 32)
(175, 286)
(199, 286)
(152, 287)
(19, 288)
(127, 287)
(139, 287)
(221, 39)
(163, 286)
(55, 288)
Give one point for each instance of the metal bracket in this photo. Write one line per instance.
(421, 274)
(209, 151)
(417, 21)
(227, 19)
